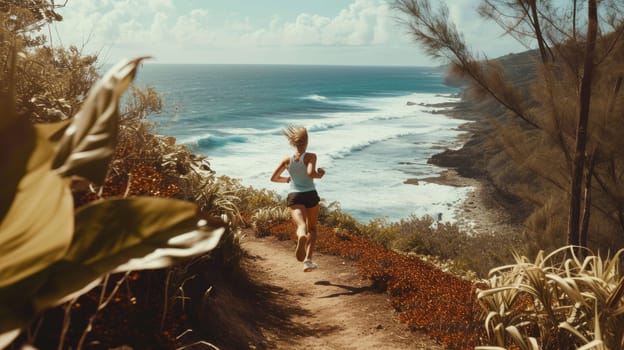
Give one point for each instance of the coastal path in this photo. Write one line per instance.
(329, 308)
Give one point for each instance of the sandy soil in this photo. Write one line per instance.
(330, 308)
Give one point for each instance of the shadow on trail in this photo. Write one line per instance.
(278, 313)
(350, 289)
(241, 306)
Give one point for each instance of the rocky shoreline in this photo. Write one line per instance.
(483, 211)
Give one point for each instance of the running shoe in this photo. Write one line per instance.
(309, 265)
(300, 252)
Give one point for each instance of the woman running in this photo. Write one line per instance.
(303, 200)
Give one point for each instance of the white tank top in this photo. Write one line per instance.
(300, 181)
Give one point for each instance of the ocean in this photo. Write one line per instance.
(370, 127)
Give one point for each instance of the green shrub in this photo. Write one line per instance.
(244, 200)
(264, 218)
(381, 231)
(332, 215)
(445, 243)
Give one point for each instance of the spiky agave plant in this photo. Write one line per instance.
(574, 302)
(50, 254)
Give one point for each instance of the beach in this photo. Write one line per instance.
(480, 212)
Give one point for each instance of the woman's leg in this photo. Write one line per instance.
(312, 218)
(299, 217)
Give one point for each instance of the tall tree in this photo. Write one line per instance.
(574, 219)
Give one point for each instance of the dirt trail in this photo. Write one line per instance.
(330, 308)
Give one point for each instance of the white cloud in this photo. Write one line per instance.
(306, 30)
(160, 28)
(363, 23)
(189, 28)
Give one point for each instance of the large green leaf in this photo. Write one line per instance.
(110, 234)
(88, 144)
(36, 205)
(38, 226)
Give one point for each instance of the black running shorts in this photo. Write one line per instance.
(308, 199)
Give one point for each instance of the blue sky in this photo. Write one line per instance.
(338, 32)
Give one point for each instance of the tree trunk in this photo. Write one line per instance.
(587, 204)
(581, 130)
(574, 21)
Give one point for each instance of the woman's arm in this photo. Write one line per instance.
(277, 174)
(312, 171)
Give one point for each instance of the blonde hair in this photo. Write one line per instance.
(296, 135)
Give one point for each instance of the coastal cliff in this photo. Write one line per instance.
(482, 156)
(491, 207)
